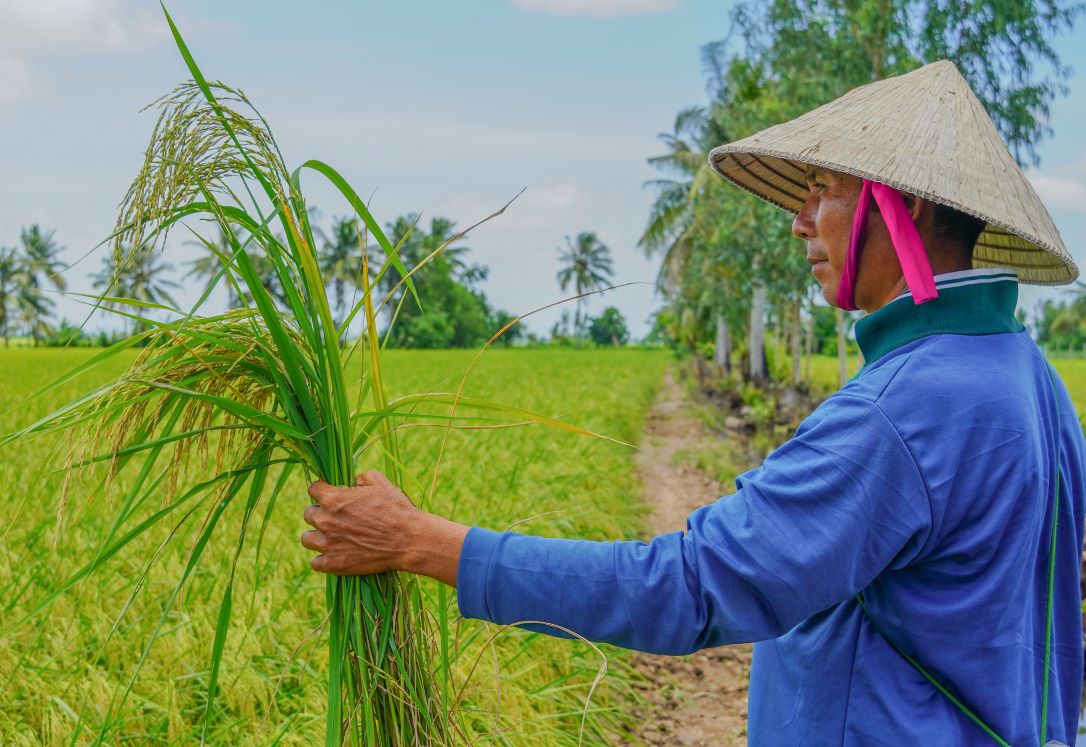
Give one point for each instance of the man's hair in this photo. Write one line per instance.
(957, 228)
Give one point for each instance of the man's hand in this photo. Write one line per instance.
(373, 527)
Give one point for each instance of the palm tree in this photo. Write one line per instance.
(441, 231)
(208, 266)
(418, 244)
(682, 222)
(341, 260)
(265, 270)
(673, 218)
(33, 308)
(720, 249)
(41, 250)
(28, 275)
(9, 275)
(587, 265)
(139, 278)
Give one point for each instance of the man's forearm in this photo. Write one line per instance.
(434, 548)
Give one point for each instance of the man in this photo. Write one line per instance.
(909, 561)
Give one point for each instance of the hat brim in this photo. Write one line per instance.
(779, 178)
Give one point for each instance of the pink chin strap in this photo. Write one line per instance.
(903, 235)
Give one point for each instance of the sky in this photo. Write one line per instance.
(445, 109)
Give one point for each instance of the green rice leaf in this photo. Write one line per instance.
(112, 549)
(360, 207)
(256, 486)
(510, 410)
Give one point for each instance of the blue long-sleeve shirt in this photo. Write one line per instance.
(925, 483)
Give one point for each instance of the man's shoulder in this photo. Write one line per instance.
(939, 374)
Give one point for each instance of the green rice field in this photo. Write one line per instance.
(62, 673)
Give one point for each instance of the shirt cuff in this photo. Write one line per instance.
(478, 551)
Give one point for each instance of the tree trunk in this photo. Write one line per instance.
(722, 354)
(701, 369)
(757, 334)
(842, 360)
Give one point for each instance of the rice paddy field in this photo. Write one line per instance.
(63, 673)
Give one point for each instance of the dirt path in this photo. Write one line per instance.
(699, 699)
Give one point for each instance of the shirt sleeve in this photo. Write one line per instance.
(826, 512)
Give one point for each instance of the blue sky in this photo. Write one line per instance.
(443, 108)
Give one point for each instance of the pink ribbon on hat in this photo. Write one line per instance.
(903, 235)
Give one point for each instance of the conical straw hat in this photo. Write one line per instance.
(924, 133)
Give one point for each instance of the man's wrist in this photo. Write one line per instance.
(433, 547)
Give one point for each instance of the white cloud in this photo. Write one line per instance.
(33, 31)
(14, 80)
(603, 8)
(1064, 189)
(79, 25)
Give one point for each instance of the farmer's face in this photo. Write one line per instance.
(825, 223)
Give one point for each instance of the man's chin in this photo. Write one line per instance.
(829, 283)
(830, 296)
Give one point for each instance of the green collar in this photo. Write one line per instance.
(979, 304)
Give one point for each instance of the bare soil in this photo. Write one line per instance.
(699, 699)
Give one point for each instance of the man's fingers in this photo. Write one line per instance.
(314, 540)
(320, 491)
(372, 479)
(313, 515)
(329, 564)
(329, 497)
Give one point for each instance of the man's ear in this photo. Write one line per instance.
(915, 205)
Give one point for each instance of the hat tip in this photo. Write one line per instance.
(943, 65)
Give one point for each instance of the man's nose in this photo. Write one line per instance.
(803, 224)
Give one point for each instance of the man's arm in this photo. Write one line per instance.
(374, 527)
(825, 514)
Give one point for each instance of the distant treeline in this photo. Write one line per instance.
(1061, 326)
(452, 310)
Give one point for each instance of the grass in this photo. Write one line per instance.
(67, 668)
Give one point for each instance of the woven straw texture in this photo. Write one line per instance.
(924, 133)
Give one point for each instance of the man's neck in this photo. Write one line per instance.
(938, 270)
(959, 275)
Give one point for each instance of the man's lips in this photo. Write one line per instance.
(815, 259)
